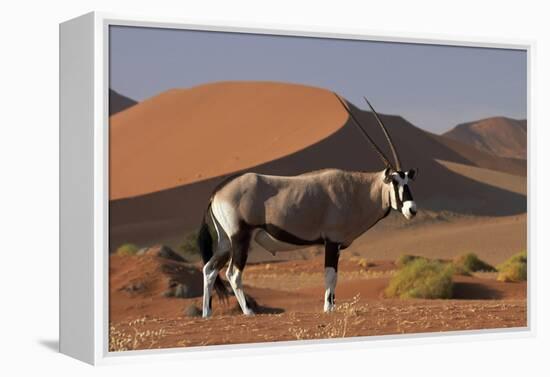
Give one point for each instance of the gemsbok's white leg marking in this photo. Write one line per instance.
(330, 285)
(209, 276)
(234, 275)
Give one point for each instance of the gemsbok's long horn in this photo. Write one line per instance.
(364, 133)
(388, 138)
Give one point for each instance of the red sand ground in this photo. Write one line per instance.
(290, 300)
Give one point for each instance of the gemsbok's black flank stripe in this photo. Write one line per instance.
(286, 237)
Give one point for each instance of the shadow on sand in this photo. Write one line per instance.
(475, 291)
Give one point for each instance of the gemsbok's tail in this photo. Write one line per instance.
(206, 246)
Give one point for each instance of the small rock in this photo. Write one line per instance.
(164, 251)
(168, 253)
(141, 251)
(135, 287)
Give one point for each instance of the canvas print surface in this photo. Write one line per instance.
(271, 188)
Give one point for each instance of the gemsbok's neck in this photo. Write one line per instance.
(385, 192)
(376, 193)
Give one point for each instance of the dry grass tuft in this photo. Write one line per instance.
(422, 278)
(468, 263)
(405, 259)
(514, 269)
(346, 314)
(363, 263)
(127, 249)
(129, 336)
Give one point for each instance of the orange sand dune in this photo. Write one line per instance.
(187, 135)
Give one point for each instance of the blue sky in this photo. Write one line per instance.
(434, 87)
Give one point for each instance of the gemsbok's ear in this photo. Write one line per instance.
(387, 175)
(412, 174)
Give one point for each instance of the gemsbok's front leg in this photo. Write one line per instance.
(332, 253)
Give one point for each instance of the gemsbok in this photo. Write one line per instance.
(327, 207)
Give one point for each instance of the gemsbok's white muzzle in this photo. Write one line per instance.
(409, 209)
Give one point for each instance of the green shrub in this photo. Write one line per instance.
(189, 244)
(127, 249)
(405, 259)
(422, 278)
(514, 269)
(467, 263)
(460, 270)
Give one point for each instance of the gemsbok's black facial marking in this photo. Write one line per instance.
(331, 298)
(406, 193)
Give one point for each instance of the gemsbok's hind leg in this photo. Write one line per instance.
(332, 253)
(210, 272)
(239, 254)
(209, 277)
(211, 269)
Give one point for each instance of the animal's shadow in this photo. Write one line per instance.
(256, 307)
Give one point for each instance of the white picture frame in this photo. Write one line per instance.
(84, 141)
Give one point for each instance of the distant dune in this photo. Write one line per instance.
(509, 182)
(118, 102)
(501, 136)
(483, 159)
(187, 135)
(169, 152)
